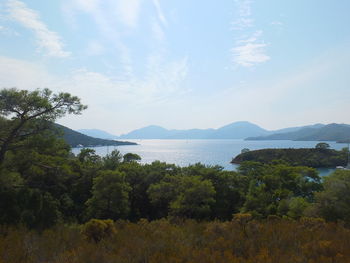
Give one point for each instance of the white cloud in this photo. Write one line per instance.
(47, 40)
(244, 13)
(250, 51)
(158, 24)
(87, 5)
(104, 94)
(163, 79)
(107, 15)
(22, 74)
(157, 31)
(128, 11)
(7, 31)
(244, 7)
(276, 23)
(242, 23)
(116, 20)
(109, 98)
(249, 54)
(125, 11)
(160, 13)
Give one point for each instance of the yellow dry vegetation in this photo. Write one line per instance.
(242, 240)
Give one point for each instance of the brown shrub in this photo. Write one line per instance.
(96, 229)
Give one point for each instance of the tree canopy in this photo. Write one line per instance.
(26, 113)
(43, 183)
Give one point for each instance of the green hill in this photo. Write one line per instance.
(75, 139)
(311, 157)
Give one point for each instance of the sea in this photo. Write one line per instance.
(208, 152)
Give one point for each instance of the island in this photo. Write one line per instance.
(311, 157)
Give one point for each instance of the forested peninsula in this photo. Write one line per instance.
(77, 139)
(311, 157)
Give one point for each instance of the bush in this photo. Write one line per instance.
(96, 229)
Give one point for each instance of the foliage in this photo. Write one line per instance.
(245, 150)
(110, 196)
(271, 209)
(322, 145)
(96, 229)
(26, 113)
(131, 157)
(334, 202)
(43, 184)
(183, 196)
(314, 157)
(112, 160)
(279, 189)
(190, 241)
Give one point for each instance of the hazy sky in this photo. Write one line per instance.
(183, 63)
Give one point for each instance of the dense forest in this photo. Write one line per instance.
(318, 157)
(58, 207)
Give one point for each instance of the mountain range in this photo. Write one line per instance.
(236, 130)
(330, 132)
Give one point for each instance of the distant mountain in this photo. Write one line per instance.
(74, 138)
(293, 129)
(236, 130)
(96, 133)
(149, 132)
(330, 132)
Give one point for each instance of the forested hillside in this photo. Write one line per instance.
(74, 138)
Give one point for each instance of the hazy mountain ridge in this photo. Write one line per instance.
(294, 129)
(74, 138)
(238, 130)
(330, 132)
(96, 133)
(235, 130)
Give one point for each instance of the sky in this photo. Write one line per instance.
(183, 64)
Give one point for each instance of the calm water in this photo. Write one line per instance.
(209, 152)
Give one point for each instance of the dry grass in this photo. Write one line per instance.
(271, 241)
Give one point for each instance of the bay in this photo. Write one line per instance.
(208, 152)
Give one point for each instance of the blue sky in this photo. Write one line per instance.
(183, 63)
